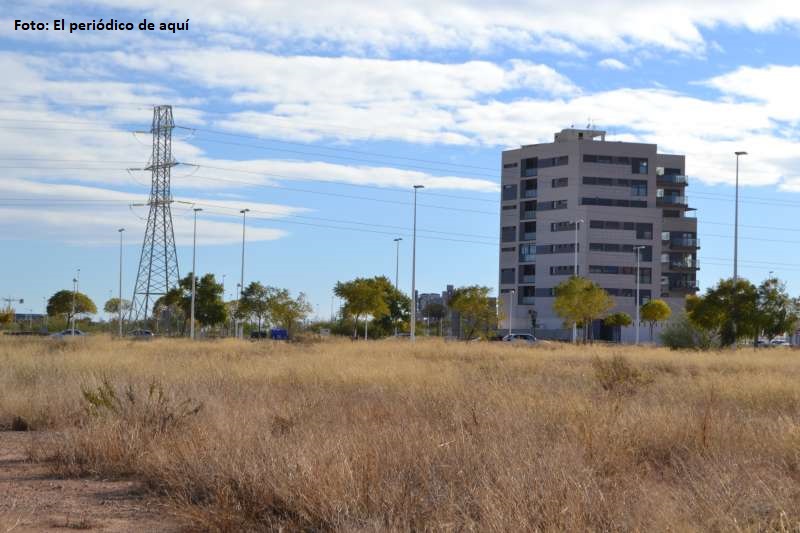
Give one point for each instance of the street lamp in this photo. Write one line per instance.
(194, 274)
(637, 249)
(119, 295)
(241, 284)
(414, 268)
(75, 283)
(511, 294)
(397, 262)
(736, 223)
(575, 273)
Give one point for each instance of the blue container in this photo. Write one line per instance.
(278, 334)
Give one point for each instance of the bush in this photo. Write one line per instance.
(681, 334)
(617, 375)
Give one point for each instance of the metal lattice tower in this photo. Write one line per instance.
(158, 264)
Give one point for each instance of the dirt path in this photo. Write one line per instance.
(32, 499)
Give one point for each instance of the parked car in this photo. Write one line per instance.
(780, 342)
(520, 338)
(141, 334)
(259, 335)
(68, 333)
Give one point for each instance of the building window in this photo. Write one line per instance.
(644, 231)
(527, 253)
(509, 192)
(507, 275)
(639, 188)
(510, 165)
(508, 249)
(562, 270)
(509, 234)
(562, 226)
(528, 168)
(638, 165)
(509, 207)
(559, 182)
(527, 231)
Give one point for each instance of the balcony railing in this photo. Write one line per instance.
(530, 193)
(683, 285)
(528, 236)
(673, 180)
(684, 243)
(527, 300)
(528, 215)
(683, 264)
(531, 278)
(527, 257)
(672, 200)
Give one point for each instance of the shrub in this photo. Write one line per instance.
(617, 375)
(682, 334)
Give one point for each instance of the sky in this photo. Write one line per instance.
(320, 117)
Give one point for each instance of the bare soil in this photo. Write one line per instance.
(33, 499)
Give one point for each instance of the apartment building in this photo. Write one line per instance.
(600, 200)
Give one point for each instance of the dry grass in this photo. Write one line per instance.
(446, 436)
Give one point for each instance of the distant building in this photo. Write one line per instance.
(626, 195)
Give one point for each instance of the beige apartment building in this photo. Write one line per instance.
(610, 198)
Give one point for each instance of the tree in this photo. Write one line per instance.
(255, 302)
(776, 312)
(472, 303)
(209, 308)
(6, 315)
(581, 301)
(682, 334)
(114, 305)
(61, 304)
(727, 310)
(655, 311)
(399, 306)
(362, 296)
(618, 320)
(286, 311)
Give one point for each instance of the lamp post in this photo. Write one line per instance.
(575, 273)
(397, 262)
(511, 294)
(194, 274)
(75, 283)
(119, 295)
(736, 223)
(414, 268)
(241, 283)
(637, 249)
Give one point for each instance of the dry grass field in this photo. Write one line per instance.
(385, 435)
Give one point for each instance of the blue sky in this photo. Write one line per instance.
(320, 116)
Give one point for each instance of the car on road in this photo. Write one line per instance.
(141, 334)
(68, 334)
(520, 338)
(780, 342)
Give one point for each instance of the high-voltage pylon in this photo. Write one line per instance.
(158, 264)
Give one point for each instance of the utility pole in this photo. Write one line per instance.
(158, 263)
(194, 274)
(414, 268)
(575, 273)
(638, 250)
(241, 284)
(397, 262)
(119, 293)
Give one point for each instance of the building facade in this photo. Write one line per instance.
(602, 201)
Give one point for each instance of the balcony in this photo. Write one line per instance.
(528, 215)
(528, 236)
(672, 180)
(683, 285)
(530, 193)
(527, 300)
(683, 264)
(526, 257)
(686, 242)
(672, 200)
(530, 278)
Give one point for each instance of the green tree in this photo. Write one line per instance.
(114, 305)
(617, 320)
(472, 303)
(654, 311)
(61, 304)
(285, 311)
(727, 311)
(363, 297)
(777, 312)
(255, 302)
(581, 301)
(682, 334)
(399, 306)
(209, 308)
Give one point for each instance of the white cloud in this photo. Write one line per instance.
(613, 64)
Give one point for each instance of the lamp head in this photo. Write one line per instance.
(419, 186)
(740, 153)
